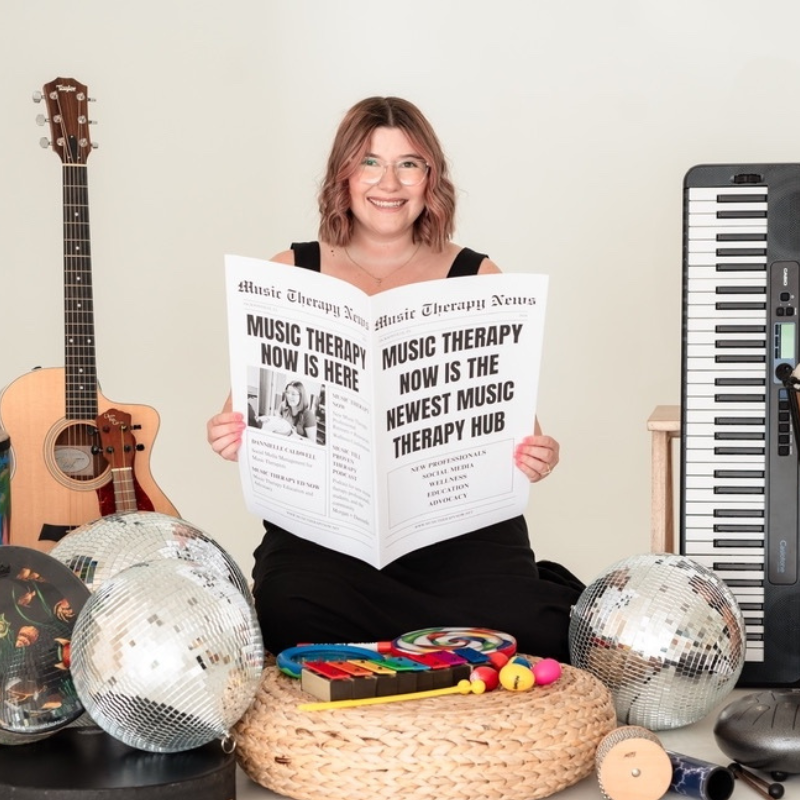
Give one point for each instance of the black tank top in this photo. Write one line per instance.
(466, 262)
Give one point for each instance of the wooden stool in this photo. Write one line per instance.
(665, 425)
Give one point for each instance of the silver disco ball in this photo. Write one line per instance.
(664, 634)
(105, 546)
(167, 656)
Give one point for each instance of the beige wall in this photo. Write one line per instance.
(570, 127)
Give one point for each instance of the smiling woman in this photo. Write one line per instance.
(387, 209)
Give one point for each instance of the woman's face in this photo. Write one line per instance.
(387, 208)
(292, 396)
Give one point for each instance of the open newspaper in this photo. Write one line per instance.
(381, 424)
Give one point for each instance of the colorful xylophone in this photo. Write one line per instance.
(419, 661)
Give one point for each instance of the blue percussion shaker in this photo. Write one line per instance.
(693, 777)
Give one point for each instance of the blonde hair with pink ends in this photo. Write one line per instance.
(435, 225)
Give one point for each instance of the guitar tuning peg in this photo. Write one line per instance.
(37, 96)
(41, 119)
(140, 447)
(44, 142)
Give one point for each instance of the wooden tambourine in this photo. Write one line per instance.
(632, 765)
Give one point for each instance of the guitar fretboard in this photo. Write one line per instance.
(79, 345)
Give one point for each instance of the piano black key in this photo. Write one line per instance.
(739, 473)
(741, 214)
(739, 398)
(742, 198)
(740, 329)
(739, 359)
(728, 343)
(739, 451)
(738, 490)
(724, 252)
(738, 566)
(738, 380)
(745, 305)
(724, 513)
(741, 237)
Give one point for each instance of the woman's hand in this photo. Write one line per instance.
(225, 434)
(537, 456)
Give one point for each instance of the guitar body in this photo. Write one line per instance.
(72, 454)
(60, 478)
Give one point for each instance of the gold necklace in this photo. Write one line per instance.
(378, 280)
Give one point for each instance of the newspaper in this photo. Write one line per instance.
(404, 408)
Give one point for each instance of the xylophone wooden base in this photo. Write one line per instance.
(88, 764)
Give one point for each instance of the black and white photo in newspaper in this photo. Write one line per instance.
(378, 425)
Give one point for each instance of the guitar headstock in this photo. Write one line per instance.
(68, 114)
(119, 446)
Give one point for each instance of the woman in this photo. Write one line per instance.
(387, 213)
(296, 410)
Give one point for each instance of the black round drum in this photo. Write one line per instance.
(88, 764)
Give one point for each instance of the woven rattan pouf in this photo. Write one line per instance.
(496, 746)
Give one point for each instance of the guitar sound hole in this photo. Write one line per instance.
(78, 454)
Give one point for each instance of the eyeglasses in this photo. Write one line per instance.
(409, 171)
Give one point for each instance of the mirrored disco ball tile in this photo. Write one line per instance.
(167, 656)
(100, 549)
(664, 634)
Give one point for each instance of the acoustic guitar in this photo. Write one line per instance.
(72, 449)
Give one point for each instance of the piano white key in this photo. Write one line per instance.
(712, 245)
(712, 192)
(710, 323)
(712, 337)
(699, 365)
(706, 495)
(692, 482)
(709, 402)
(697, 545)
(701, 509)
(748, 594)
(707, 416)
(707, 456)
(725, 279)
(712, 207)
(699, 260)
(712, 299)
(727, 315)
(705, 532)
(703, 449)
(742, 380)
(707, 232)
(695, 549)
(709, 440)
(754, 653)
(711, 220)
(750, 570)
(710, 390)
(754, 273)
(696, 469)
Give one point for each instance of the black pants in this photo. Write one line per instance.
(487, 579)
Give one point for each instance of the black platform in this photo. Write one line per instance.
(88, 764)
